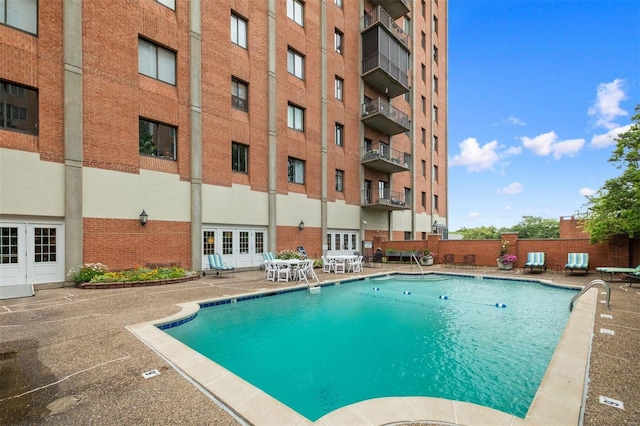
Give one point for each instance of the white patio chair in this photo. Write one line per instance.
(283, 272)
(270, 270)
(327, 264)
(355, 265)
(339, 266)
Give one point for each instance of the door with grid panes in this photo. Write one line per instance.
(342, 242)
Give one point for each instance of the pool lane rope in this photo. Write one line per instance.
(441, 297)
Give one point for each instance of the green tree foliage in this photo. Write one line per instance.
(615, 208)
(530, 227)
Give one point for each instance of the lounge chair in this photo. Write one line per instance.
(536, 259)
(611, 270)
(216, 264)
(633, 278)
(577, 261)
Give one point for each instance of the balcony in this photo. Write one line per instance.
(378, 16)
(395, 8)
(385, 159)
(380, 115)
(384, 200)
(384, 76)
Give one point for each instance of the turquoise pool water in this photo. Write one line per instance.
(396, 336)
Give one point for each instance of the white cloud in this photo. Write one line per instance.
(474, 157)
(587, 192)
(514, 120)
(473, 215)
(606, 107)
(511, 189)
(507, 208)
(548, 144)
(609, 138)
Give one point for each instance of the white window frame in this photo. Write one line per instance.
(295, 63)
(156, 62)
(339, 180)
(339, 89)
(238, 31)
(295, 11)
(339, 134)
(338, 41)
(295, 117)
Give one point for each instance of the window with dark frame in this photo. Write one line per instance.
(156, 62)
(239, 94)
(295, 172)
(295, 11)
(424, 199)
(339, 134)
(295, 118)
(339, 180)
(157, 140)
(19, 108)
(339, 40)
(238, 31)
(20, 14)
(239, 157)
(339, 88)
(295, 63)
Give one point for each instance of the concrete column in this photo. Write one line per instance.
(195, 118)
(272, 104)
(73, 138)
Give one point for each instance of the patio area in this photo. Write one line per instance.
(67, 358)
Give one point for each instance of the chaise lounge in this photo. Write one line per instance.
(536, 260)
(578, 262)
(216, 264)
(611, 270)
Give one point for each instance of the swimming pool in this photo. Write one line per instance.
(442, 338)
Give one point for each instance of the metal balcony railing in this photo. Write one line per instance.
(381, 115)
(385, 199)
(378, 60)
(386, 159)
(379, 15)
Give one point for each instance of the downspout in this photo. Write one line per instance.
(272, 134)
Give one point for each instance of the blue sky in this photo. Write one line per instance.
(537, 92)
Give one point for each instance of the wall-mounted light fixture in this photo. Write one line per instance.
(435, 226)
(143, 218)
(301, 226)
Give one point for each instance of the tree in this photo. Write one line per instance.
(537, 227)
(615, 208)
(481, 233)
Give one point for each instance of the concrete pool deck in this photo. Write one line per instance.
(67, 357)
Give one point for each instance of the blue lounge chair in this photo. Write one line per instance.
(536, 260)
(216, 264)
(577, 261)
(611, 270)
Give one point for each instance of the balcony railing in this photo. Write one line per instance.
(395, 8)
(385, 76)
(384, 199)
(379, 15)
(382, 116)
(385, 159)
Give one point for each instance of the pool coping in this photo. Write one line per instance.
(559, 398)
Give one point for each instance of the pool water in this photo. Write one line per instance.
(396, 336)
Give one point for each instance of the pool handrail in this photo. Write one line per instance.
(587, 288)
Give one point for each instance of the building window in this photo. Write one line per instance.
(258, 242)
(407, 196)
(407, 25)
(156, 62)
(424, 8)
(239, 94)
(227, 242)
(435, 84)
(340, 180)
(435, 24)
(295, 173)
(295, 11)
(423, 132)
(424, 199)
(423, 69)
(8, 245)
(295, 64)
(239, 157)
(171, 4)
(435, 173)
(407, 96)
(339, 134)
(339, 39)
(424, 104)
(20, 14)
(158, 140)
(18, 108)
(423, 40)
(435, 114)
(208, 242)
(366, 196)
(339, 87)
(435, 54)
(295, 118)
(238, 31)
(338, 3)
(435, 143)
(424, 168)
(435, 202)
(44, 241)
(407, 235)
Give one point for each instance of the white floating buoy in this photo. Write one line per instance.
(376, 289)
(444, 297)
(501, 305)
(406, 292)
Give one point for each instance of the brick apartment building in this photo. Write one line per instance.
(238, 126)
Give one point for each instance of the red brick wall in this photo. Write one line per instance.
(124, 244)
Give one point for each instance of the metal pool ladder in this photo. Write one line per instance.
(587, 288)
(414, 257)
